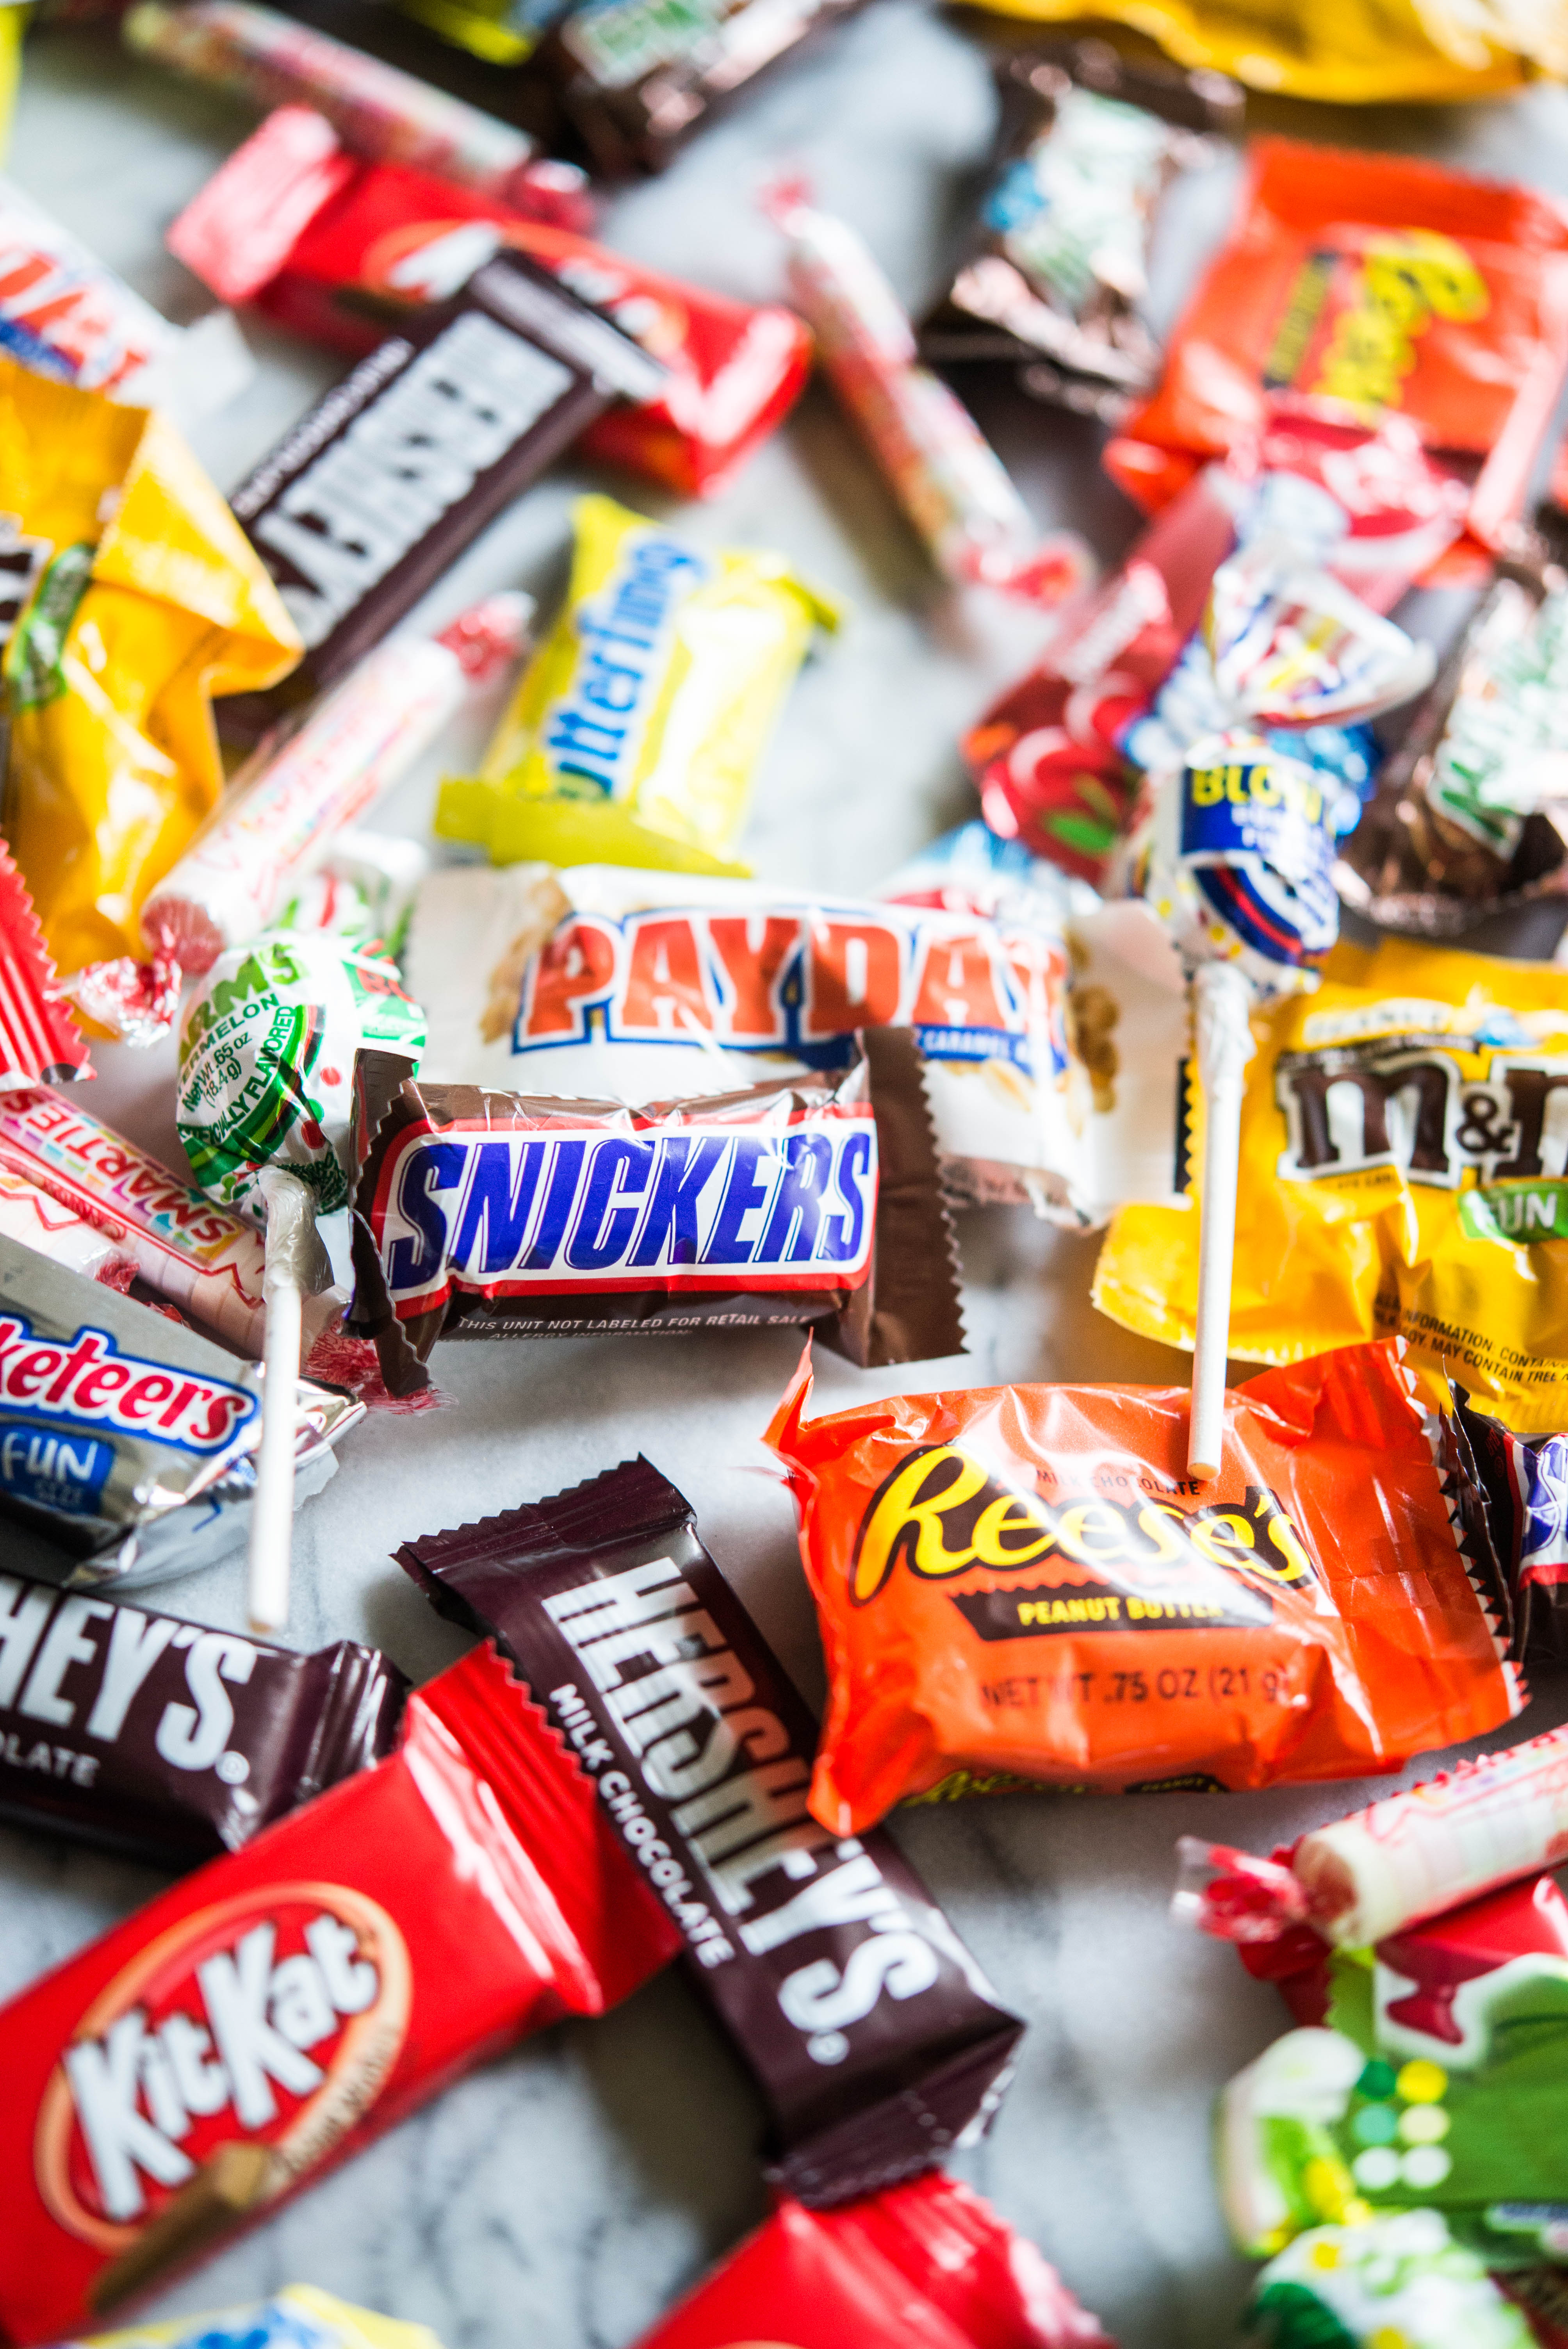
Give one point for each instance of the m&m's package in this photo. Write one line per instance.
(1374, 282)
(1021, 1586)
(1405, 1170)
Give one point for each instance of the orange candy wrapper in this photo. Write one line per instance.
(1020, 1585)
(1371, 282)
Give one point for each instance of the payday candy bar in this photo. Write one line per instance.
(928, 2263)
(272, 2013)
(480, 1214)
(873, 2034)
(165, 1739)
(380, 487)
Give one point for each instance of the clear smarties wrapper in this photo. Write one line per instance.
(616, 982)
(874, 2036)
(1020, 1585)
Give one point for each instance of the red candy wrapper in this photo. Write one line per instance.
(340, 249)
(38, 1037)
(279, 2009)
(925, 2266)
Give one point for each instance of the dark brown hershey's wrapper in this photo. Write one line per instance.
(907, 1310)
(165, 1740)
(876, 2040)
(378, 489)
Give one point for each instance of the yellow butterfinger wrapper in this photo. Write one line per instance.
(130, 595)
(1404, 1168)
(298, 2317)
(636, 728)
(1349, 52)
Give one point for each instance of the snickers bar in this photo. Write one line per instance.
(482, 1214)
(379, 488)
(166, 1740)
(874, 2036)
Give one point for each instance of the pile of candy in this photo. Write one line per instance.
(582, 1073)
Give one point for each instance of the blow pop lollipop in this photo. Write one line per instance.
(1236, 859)
(266, 1066)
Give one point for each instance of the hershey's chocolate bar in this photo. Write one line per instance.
(377, 489)
(874, 2036)
(167, 1739)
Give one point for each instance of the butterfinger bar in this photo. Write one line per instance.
(871, 2033)
(287, 2003)
(164, 1739)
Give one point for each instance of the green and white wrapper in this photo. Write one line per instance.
(266, 1062)
(1399, 2282)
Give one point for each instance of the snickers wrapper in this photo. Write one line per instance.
(483, 1213)
(127, 1439)
(874, 2037)
(267, 2016)
(378, 489)
(166, 1740)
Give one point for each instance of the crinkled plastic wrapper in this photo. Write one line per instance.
(130, 598)
(1020, 1585)
(635, 730)
(1348, 52)
(1404, 1170)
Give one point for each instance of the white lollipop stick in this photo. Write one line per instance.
(291, 1240)
(1221, 1000)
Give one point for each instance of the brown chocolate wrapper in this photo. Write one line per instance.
(167, 1741)
(378, 489)
(904, 1306)
(1406, 865)
(635, 121)
(1099, 358)
(874, 2037)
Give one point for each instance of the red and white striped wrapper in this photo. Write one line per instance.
(38, 1037)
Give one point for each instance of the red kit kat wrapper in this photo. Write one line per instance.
(279, 2009)
(926, 2266)
(874, 2036)
(342, 251)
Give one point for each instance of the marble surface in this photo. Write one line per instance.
(564, 2196)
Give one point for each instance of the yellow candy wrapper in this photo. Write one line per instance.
(298, 2317)
(636, 728)
(1404, 1168)
(1349, 52)
(128, 594)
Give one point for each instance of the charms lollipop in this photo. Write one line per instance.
(266, 1065)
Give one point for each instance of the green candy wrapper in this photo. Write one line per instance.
(1391, 2283)
(266, 1062)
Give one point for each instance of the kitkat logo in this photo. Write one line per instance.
(90, 1382)
(275, 2017)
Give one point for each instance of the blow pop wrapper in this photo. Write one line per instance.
(614, 982)
(266, 1063)
(636, 728)
(485, 1215)
(877, 2041)
(1055, 283)
(1471, 809)
(1403, 1171)
(298, 2317)
(952, 485)
(1374, 281)
(342, 252)
(1428, 2070)
(132, 596)
(126, 1440)
(929, 2262)
(290, 2002)
(1019, 1586)
(1400, 2278)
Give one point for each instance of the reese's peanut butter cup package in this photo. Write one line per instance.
(1021, 1586)
(1404, 1170)
(129, 597)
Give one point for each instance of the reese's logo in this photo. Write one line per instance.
(1096, 1562)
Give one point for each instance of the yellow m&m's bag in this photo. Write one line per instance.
(1404, 1169)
